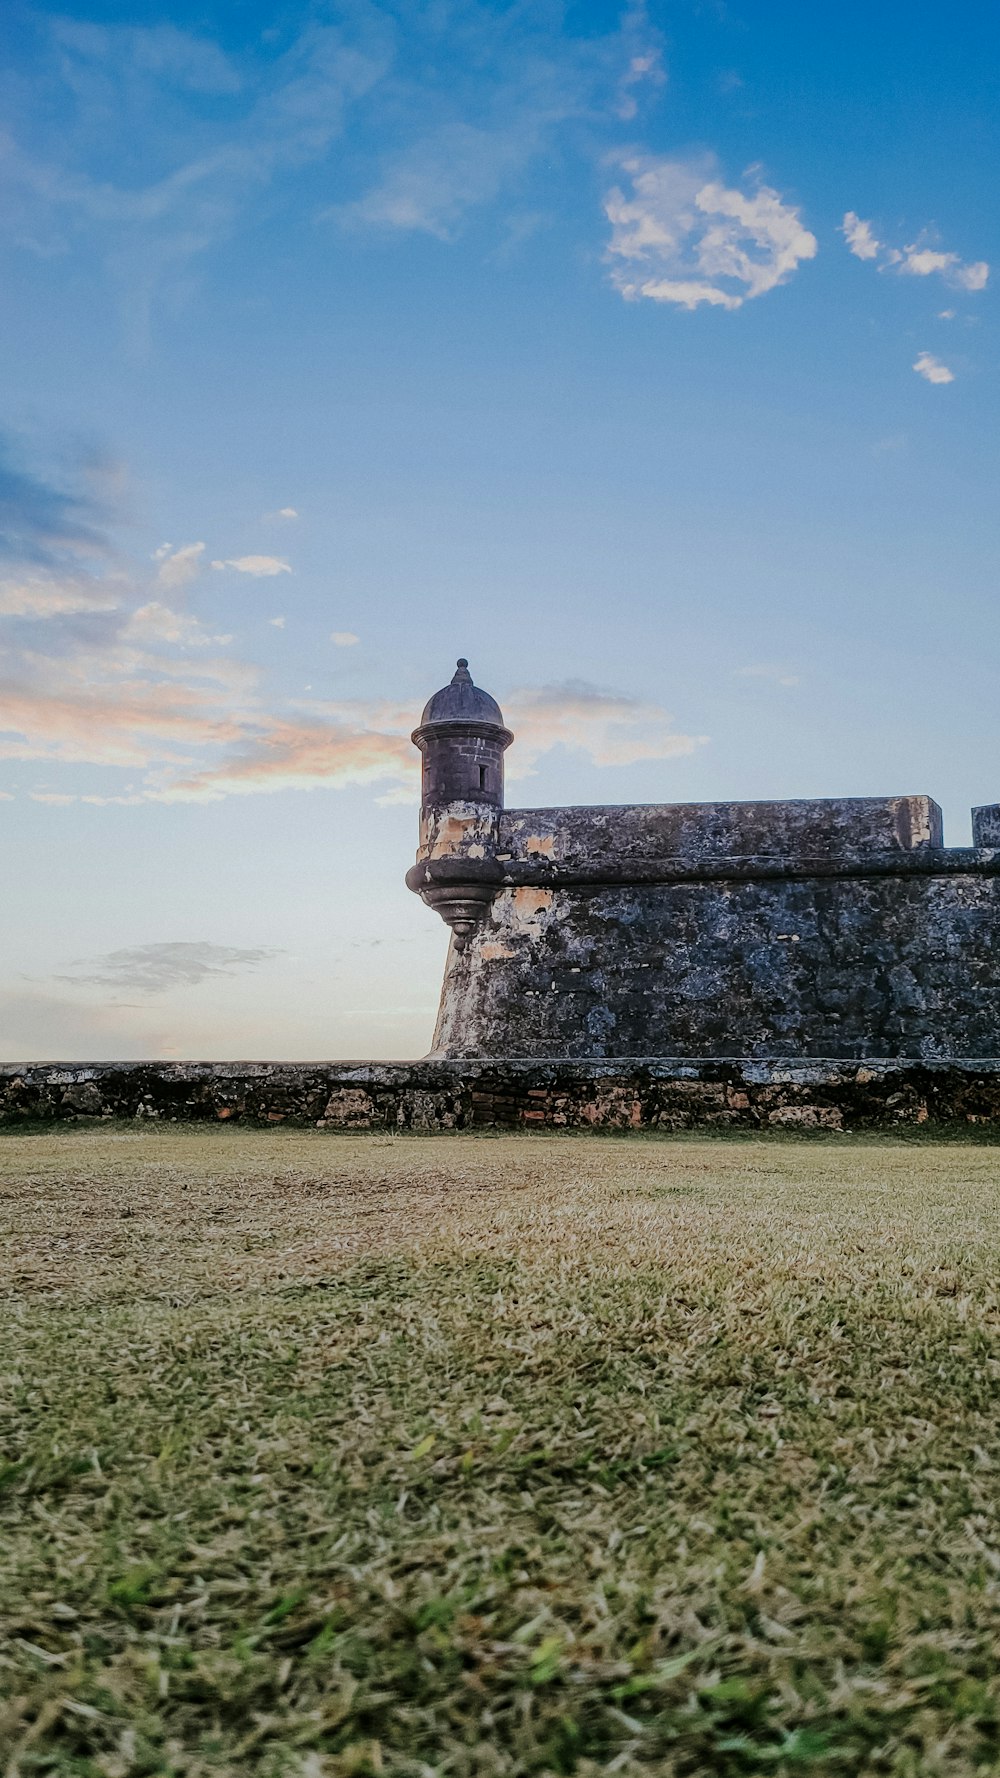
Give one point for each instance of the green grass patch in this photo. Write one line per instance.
(362, 1455)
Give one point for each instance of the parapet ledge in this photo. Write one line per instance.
(835, 828)
(466, 859)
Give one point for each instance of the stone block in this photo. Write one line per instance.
(349, 1108)
(986, 825)
(807, 1117)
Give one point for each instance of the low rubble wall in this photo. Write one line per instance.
(629, 1094)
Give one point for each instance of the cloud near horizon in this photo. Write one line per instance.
(156, 968)
(106, 670)
(197, 727)
(683, 237)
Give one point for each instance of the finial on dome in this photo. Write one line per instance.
(462, 701)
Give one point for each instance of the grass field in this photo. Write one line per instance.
(326, 1455)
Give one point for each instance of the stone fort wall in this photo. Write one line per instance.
(838, 929)
(425, 1097)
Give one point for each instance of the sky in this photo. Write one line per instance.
(646, 355)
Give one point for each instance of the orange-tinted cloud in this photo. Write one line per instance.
(146, 691)
(304, 755)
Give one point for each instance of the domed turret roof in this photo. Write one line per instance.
(461, 701)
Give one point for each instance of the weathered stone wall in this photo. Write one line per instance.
(432, 1096)
(843, 827)
(865, 966)
(837, 928)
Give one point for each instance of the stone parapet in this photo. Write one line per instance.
(625, 1094)
(631, 835)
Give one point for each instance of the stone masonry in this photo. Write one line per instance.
(819, 967)
(841, 929)
(424, 1097)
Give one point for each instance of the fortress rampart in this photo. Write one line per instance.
(838, 928)
(825, 966)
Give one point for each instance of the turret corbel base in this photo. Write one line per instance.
(459, 889)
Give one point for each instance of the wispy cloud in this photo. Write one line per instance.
(261, 567)
(174, 58)
(860, 237)
(198, 728)
(921, 259)
(179, 566)
(326, 751)
(209, 131)
(205, 132)
(107, 672)
(922, 262)
(520, 82)
(610, 727)
(155, 622)
(681, 236)
(931, 368)
(156, 968)
(56, 596)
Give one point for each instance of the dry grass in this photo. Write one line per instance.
(326, 1455)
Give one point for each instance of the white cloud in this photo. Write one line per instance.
(181, 566)
(277, 623)
(259, 566)
(683, 237)
(287, 512)
(918, 260)
(646, 67)
(860, 237)
(46, 596)
(922, 262)
(158, 623)
(973, 277)
(932, 369)
(344, 638)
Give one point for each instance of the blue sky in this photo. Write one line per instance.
(648, 356)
